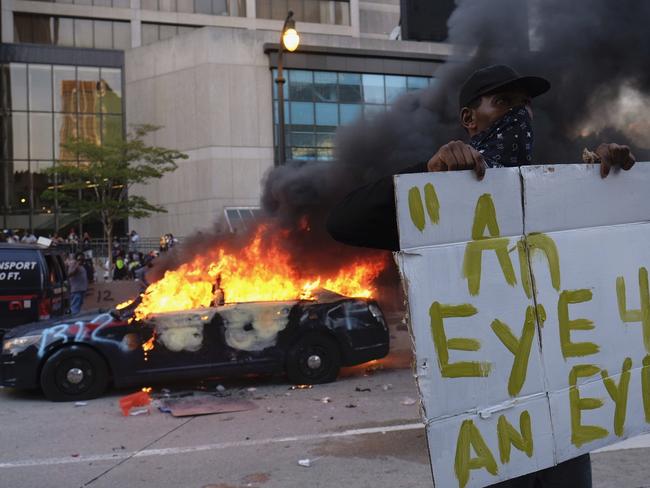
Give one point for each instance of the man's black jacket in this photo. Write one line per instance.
(367, 217)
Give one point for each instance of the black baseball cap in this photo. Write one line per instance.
(490, 78)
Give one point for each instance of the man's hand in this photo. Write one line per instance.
(613, 155)
(456, 155)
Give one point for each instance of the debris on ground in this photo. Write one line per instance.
(326, 400)
(205, 404)
(139, 411)
(387, 387)
(408, 401)
(137, 399)
(362, 389)
(304, 462)
(251, 389)
(80, 404)
(301, 387)
(350, 405)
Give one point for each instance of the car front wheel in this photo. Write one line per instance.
(74, 373)
(313, 359)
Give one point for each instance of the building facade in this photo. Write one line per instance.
(202, 69)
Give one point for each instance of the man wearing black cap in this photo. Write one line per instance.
(496, 112)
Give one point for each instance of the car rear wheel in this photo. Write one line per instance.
(74, 373)
(313, 359)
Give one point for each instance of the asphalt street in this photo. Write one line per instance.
(362, 431)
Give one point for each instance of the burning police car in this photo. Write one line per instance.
(78, 357)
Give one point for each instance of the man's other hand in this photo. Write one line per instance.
(455, 156)
(613, 155)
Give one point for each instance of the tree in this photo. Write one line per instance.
(105, 173)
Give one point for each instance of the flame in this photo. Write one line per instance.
(122, 305)
(261, 271)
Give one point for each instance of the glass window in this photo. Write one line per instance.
(185, 6)
(302, 113)
(149, 4)
(311, 11)
(103, 34)
(40, 136)
(184, 29)
(325, 139)
(111, 90)
(325, 86)
(41, 181)
(122, 3)
(167, 5)
(370, 111)
(395, 86)
(63, 1)
(15, 175)
(327, 114)
(63, 31)
(89, 101)
(121, 35)
(302, 139)
(349, 113)
(220, 7)
(301, 85)
(19, 135)
(417, 82)
(149, 33)
(349, 87)
(65, 129)
(203, 6)
(83, 2)
(90, 128)
(111, 129)
(83, 33)
(65, 89)
(373, 88)
(102, 3)
(40, 87)
(18, 78)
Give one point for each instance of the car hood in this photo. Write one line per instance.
(37, 327)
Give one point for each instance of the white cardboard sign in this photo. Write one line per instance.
(529, 308)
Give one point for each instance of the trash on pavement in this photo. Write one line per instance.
(204, 405)
(301, 387)
(387, 387)
(139, 411)
(326, 400)
(408, 401)
(304, 462)
(80, 404)
(137, 399)
(362, 389)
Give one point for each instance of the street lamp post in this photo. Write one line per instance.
(289, 40)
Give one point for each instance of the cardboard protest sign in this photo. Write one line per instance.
(529, 309)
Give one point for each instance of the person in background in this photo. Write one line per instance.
(134, 241)
(86, 246)
(120, 270)
(78, 277)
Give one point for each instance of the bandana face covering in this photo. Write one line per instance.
(508, 142)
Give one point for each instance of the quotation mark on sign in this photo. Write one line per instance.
(416, 207)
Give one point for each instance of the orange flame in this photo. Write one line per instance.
(261, 271)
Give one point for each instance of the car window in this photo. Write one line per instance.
(52, 268)
(62, 268)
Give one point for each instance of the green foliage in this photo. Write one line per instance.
(105, 174)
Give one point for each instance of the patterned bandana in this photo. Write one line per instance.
(508, 142)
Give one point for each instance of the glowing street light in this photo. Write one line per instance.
(289, 40)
